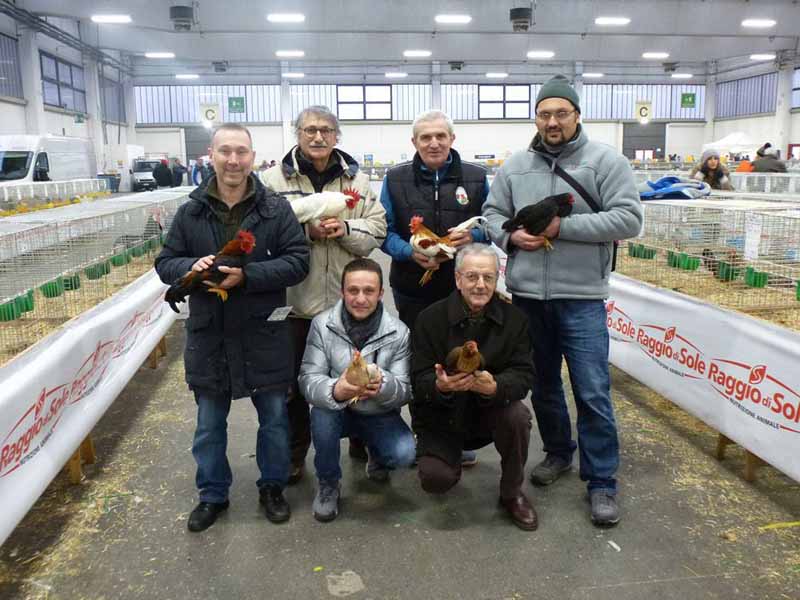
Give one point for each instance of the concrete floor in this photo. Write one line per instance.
(690, 525)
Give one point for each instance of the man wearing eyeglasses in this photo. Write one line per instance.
(314, 166)
(562, 291)
(455, 410)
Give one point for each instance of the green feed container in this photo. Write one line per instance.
(756, 279)
(727, 272)
(688, 263)
(138, 250)
(647, 252)
(672, 259)
(797, 291)
(25, 302)
(72, 282)
(9, 311)
(121, 259)
(52, 289)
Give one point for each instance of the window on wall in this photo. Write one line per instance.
(10, 79)
(113, 100)
(364, 102)
(504, 102)
(62, 84)
(796, 89)
(748, 96)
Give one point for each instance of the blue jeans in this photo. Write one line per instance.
(214, 475)
(576, 330)
(388, 439)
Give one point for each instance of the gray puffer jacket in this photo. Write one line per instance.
(329, 352)
(579, 265)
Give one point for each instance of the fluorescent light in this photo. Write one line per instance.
(111, 18)
(417, 53)
(762, 57)
(497, 75)
(453, 19)
(593, 75)
(286, 17)
(290, 54)
(758, 23)
(293, 75)
(655, 55)
(159, 54)
(682, 75)
(187, 76)
(396, 75)
(612, 21)
(541, 54)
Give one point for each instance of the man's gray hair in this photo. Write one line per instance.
(430, 116)
(323, 112)
(476, 250)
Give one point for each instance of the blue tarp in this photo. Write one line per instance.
(677, 188)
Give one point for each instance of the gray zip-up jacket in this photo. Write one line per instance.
(579, 265)
(329, 352)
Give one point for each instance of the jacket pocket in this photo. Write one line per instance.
(203, 355)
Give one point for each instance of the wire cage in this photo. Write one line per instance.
(23, 197)
(769, 183)
(58, 263)
(740, 254)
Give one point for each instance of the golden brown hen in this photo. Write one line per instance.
(464, 359)
(360, 374)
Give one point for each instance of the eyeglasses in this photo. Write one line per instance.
(561, 115)
(313, 131)
(473, 277)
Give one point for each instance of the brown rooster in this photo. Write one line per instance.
(360, 374)
(535, 218)
(424, 241)
(231, 255)
(464, 359)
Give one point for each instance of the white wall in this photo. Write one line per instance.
(267, 142)
(60, 124)
(758, 129)
(605, 133)
(685, 139)
(166, 140)
(12, 118)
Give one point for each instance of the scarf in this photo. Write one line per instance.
(359, 332)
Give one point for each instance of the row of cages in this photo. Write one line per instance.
(24, 197)
(736, 253)
(73, 258)
(754, 183)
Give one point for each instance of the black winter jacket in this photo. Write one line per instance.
(446, 424)
(231, 348)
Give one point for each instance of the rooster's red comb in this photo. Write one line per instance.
(355, 196)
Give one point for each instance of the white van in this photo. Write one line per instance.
(26, 158)
(142, 171)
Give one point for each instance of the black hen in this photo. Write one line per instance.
(535, 218)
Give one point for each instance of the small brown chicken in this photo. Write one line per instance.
(464, 359)
(361, 374)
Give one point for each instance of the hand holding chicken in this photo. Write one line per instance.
(431, 249)
(359, 381)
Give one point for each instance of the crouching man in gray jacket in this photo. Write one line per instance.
(340, 408)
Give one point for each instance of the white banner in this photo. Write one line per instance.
(52, 395)
(737, 374)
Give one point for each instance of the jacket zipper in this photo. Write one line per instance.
(437, 209)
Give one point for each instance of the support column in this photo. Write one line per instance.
(97, 133)
(436, 85)
(289, 135)
(783, 111)
(710, 110)
(31, 69)
(129, 100)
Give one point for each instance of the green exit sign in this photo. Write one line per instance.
(688, 101)
(236, 104)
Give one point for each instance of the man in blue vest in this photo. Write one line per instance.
(445, 191)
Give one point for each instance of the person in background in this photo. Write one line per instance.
(357, 323)
(711, 171)
(162, 174)
(232, 349)
(313, 166)
(446, 191)
(264, 165)
(562, 291)
(178, 171)
(768, 160)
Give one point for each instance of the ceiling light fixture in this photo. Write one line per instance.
(111, 18)
(159, 55)
(758, 23)
(395, 75)
(417, 53)
(682, 75)
(541, 54)
(290, 54)
(187, 76)
(593, 75)
(655, 55)
(286, 17)
(618, 21)
(496, 75)
(453, 19)
(293, 75)
(762, 57)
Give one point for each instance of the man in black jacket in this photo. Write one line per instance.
(162, 174)
(455, 411)
(232, 349)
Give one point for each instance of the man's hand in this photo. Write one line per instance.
(525, 241)
(344, 391)
(459, 238)
(333, 227)
(448, 384)
(316, 232)
(426, 262)
(484, 384)
(235, 277)
(203, 263)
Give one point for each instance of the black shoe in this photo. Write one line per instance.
(550, 469)
(204, 515)
(358, 449)
(275, 505)
(296, 474)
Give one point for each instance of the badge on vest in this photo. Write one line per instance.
(461, 196)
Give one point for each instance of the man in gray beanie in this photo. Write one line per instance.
(562, 291)
(768, 161)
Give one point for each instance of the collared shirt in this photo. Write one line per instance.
(231, 216)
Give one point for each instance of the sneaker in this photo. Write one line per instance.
(605, 511)
(376, 471)
(204, 515)
(326, 502)
(469, 458)
(550, 469)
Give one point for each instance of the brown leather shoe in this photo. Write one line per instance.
(296, 474)
(521, 512)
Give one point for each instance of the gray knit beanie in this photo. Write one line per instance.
(708, 154)
(558, 86)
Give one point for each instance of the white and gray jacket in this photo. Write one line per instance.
(329, 352)
(579, 265)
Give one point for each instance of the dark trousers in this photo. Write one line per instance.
(299, 422)
(408, 308)
(511, 431)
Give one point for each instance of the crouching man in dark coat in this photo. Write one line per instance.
(456, 411)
